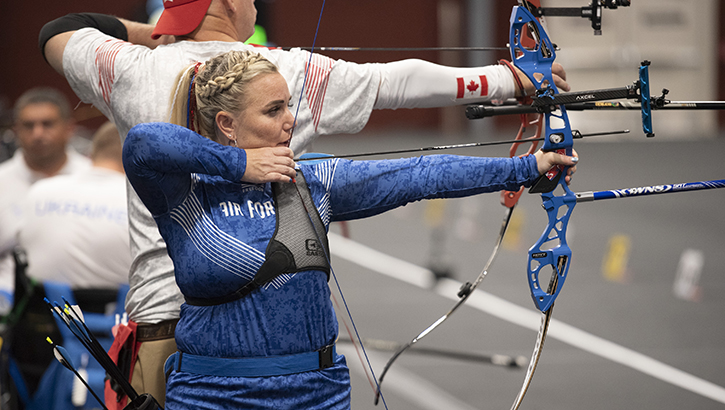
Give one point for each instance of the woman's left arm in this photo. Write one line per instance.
(364, 188)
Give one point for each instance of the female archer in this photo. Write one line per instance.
(258, 329)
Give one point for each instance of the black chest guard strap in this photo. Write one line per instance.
(295, 245)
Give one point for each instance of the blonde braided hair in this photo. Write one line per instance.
(219, 86)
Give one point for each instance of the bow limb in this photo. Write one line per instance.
(535, 356)
(463, 294)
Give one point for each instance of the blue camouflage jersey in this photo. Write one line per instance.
(217, 228)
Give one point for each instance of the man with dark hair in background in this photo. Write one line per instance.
(76, 226)
(43, 127)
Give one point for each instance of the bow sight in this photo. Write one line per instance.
(593, 11)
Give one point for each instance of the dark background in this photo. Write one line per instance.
(370, 23)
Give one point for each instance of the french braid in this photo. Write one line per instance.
(219, 86)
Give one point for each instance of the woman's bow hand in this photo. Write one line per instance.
(547, 160)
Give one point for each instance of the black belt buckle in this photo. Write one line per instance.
(326, 357)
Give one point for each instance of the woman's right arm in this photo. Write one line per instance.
(159, 159)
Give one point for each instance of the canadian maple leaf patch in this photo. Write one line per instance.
(474, 86)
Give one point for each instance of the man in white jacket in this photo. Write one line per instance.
(75, 228)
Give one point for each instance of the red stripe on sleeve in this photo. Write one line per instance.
(317, 78)
(105, 60)
(484, 85)
(461, 87)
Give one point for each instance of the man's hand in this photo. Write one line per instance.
(269, 165)
(558, 74)
(140, 33)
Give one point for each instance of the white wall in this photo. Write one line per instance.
(678, 37)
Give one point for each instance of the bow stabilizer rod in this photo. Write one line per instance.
(668, 105)
(546, 102)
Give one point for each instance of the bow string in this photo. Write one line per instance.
(367, 366)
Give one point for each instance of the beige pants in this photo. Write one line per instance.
(148, 371)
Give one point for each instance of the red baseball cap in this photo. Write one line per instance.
(180, 17)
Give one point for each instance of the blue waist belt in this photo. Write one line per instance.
(251, 366)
